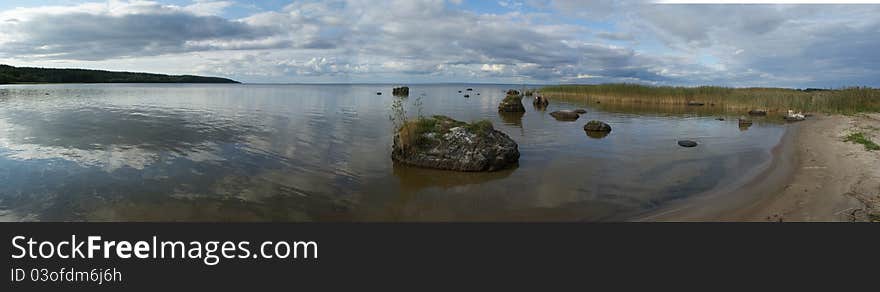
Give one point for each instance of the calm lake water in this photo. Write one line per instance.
(322, 153)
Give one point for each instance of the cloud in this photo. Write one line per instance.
(442, 40)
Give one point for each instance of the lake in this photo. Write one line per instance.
(140, 152)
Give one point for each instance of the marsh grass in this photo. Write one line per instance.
(860, 138)
(843, 101)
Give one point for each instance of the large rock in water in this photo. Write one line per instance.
(511, 104)
(443, 143)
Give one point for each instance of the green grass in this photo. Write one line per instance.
(860, 138)
(844, 101)
(412, 133)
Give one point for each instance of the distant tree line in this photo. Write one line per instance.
(10, 74)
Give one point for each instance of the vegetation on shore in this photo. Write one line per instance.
(860, 138)
(846, 101)
(13, 75)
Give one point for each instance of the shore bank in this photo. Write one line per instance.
(813, 176)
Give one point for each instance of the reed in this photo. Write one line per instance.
(845, 101)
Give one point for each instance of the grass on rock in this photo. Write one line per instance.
(413, 131)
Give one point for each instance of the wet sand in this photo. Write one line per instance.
(814, 176)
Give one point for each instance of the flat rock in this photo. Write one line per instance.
(565, 115)
(757, 112)
(687, 143)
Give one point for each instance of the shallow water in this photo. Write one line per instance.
(322, 153)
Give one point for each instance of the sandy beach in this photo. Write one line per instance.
(814, 176)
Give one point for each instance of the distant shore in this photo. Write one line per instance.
(814, 176)
(28, 75)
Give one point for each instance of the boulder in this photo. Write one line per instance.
(541, 101)
(580, 111)
(400, 91)
(597, 126)
(757, 112)
(687, 143)
(440, 142)
(512, 92)
(511, 104)
(565, 115)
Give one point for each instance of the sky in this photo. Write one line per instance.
(416, 41)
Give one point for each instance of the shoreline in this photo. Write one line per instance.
(813, 176)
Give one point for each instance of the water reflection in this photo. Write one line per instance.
(597, 134)
(321, 153)
(512, 118)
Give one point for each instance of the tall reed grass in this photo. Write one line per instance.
(846, 100)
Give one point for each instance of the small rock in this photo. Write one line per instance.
(580, 111)
(720, 119)
(400, 91)
(597, 126)
(378, 93)
(466, 95)
(565, 115)
(687, 143)
(695, 103)
(470, 89)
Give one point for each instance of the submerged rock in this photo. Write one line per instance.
(580, 111)
(687, 143)
(597, 126)
(443, 143)
(565, 115)
(757, 112)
